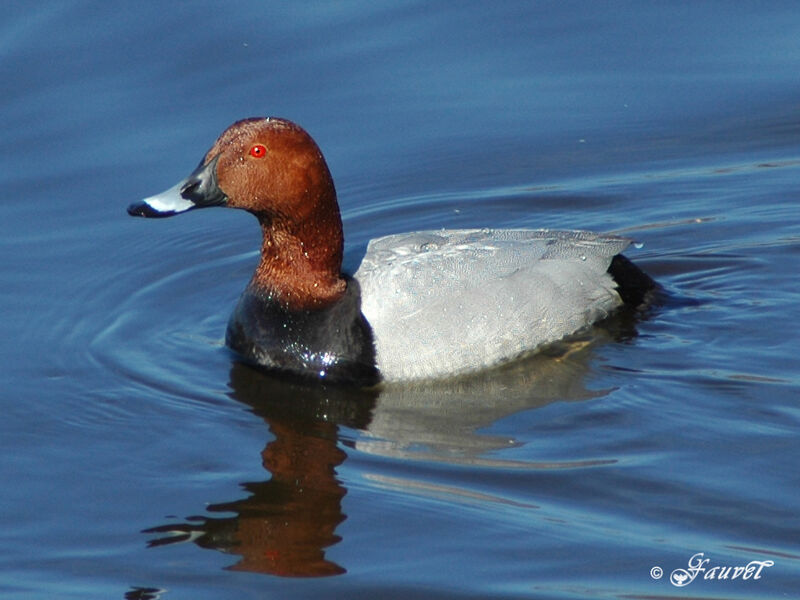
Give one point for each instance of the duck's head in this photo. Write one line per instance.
(266, 166)
(272, 168)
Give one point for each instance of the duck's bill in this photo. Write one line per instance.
(199, 190)
(165, 204)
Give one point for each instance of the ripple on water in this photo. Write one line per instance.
(158, 344)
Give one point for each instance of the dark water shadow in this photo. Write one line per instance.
(144, 593)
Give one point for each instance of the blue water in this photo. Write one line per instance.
(140, 461)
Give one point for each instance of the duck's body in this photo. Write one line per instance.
(446, 302)
(421, 305)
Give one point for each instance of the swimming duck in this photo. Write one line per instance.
(423, 305)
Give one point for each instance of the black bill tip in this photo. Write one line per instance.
(143, 209)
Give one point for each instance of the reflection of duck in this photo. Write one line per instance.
(440, 420)
(422, 305)
(286, 523)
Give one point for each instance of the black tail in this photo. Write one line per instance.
(634, 286)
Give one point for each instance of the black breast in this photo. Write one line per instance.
(333, 344)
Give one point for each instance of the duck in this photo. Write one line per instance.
(424, 305)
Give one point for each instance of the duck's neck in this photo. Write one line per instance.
(301, 261)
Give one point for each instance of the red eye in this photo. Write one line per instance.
(258, 151)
